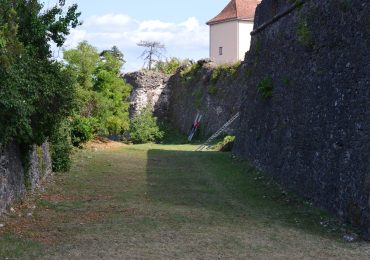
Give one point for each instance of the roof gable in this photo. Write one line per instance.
(236, 10)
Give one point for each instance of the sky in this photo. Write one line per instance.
(179, 25)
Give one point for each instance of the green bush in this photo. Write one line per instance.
(83, 130)
(61, 148)
(230, 71)
(170, 66)
(189, 73)
(144, 128)
(226, 144)
(265, 88)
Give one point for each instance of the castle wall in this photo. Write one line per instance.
(313, 134)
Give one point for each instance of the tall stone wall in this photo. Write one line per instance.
(15, 180)
(313, 133)
(216, 102)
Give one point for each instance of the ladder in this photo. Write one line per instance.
(194, 127)
(207, 144)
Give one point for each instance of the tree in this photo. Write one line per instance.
(112, 93)
(152, 51)
(82, 63)
(115, 52)
(36, 92)
(102, 94)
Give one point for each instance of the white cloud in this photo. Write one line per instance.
(191, 24)
(154, 25)
(109, 20)
(188, 39)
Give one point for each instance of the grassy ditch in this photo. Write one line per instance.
(166, 202)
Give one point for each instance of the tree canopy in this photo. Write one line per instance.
(36, 92)
(102, 93)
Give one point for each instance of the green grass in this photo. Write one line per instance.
(15, 247)
(168, 202)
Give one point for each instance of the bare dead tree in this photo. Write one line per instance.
(152, 53)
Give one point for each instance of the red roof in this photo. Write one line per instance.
(236, 10)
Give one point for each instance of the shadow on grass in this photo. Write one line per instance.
(215, 182)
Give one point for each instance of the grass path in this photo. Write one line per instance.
(166, 202)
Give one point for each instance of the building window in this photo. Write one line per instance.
(220, 49)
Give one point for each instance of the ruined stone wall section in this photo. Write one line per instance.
(13, 181)
(178, 102)
(12, 184)
(313, 133)
(149, 89)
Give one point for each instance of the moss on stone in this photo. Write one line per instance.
(305, 36)
(265, 88)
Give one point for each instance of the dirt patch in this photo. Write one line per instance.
(58, 198)
(101, 143)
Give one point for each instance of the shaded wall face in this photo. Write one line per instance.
(216, 102)
(312, 133)
(12, 184)
(13, 180)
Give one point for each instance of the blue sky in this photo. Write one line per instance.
(180, 25)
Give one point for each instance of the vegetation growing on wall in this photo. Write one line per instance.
(228, 71)
(304, 33)
(209, 81)
(170, 66)
(212, 89)
(265, 88)
(197, 94)
(189, 73)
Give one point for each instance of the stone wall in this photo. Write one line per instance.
(149, 88)
(177, 99)
(14, 182)
(217, 101)
(313, 133)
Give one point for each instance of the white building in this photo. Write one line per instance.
(230, 31)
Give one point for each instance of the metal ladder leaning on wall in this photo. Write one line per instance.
(207, 144)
